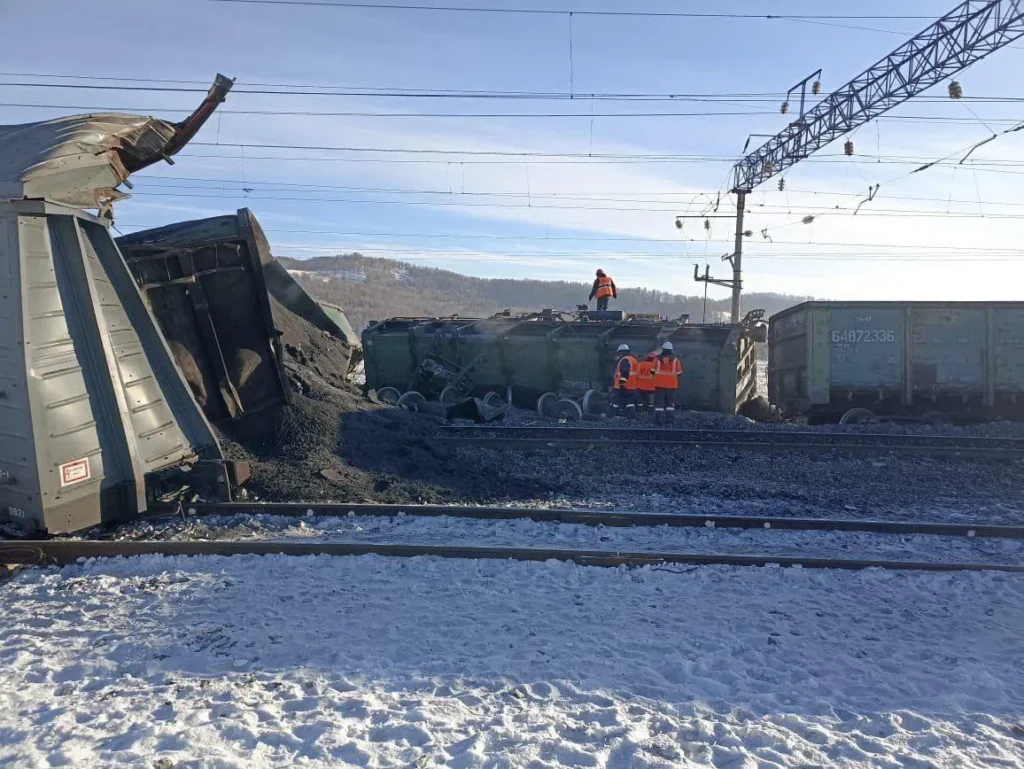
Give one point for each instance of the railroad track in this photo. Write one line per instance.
(613, 519)
(587, 438)
(66, 552)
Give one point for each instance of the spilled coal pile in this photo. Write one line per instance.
(332, 443)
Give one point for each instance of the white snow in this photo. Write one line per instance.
(316, 662)
(402, 275)
(325, 276)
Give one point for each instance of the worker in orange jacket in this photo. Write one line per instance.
(667, 370)
(645, 382)
(624, 383)
(603, 289)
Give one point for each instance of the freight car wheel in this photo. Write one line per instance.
(388, 395)
(411, 400)
(546, 404)
(493, 399)
(595, 402)
(858, 416)
(568, 410)
(449, 396)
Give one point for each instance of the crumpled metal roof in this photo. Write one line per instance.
(81, 159)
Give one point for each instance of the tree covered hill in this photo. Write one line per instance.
(375, 289)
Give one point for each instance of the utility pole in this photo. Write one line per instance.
(737, 255)
(734, 259)
(707, 279)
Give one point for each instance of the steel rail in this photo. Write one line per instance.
(611, 519)
(66, 552)
(586, 444)
(755, 436)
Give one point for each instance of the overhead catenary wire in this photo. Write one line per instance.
(549, 158)
(577, 257)
(881, 248)
(91, 108)
(541, 11)
(669, 207)
(654, 197)
(411, 93)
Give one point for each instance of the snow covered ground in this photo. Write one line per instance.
(447, 530)
(270, 662)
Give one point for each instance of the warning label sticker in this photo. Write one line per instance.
(75, 472)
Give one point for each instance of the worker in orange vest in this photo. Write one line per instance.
(667, 369)
(604, 289)
(645, 382)
(624, 382)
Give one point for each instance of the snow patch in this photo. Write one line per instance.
(277, 661)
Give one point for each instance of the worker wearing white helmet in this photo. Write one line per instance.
(624, 383)
(667, 369)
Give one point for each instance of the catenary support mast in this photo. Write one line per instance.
(965, 35)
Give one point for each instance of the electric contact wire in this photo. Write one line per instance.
(410, 93)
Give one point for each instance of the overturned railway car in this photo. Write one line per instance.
(217, 293)
(851, 361)
(559, 365)
(96, 421)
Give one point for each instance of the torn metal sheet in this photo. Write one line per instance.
(80, 160)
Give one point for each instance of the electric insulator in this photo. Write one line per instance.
(679, 224)
(785, 107)
(816, 87)
(707, 224)
(782, 183)
(748, 233)
(807, 219)
(955, 90)
(848, 148)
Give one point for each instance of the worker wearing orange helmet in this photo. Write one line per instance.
(667, 370)
(603, 290)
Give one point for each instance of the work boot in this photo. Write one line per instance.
(658, 415)
(670, 416)
(630, 411)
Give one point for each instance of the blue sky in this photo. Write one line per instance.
(947, 233)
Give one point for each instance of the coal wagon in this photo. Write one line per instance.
(853, 360)
(218, 295)
(558, 363)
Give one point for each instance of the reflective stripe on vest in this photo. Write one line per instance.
(630, 381)
(645, 375)
(666, 372)
(604, 287)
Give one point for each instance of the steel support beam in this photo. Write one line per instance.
(965, 35)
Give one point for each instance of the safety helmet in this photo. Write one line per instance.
(623, 348)
(667, 346)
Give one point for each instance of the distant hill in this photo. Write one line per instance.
(375, 289)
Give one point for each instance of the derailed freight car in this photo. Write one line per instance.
(854, 360)
(558, 363)
(96, 420)
(218, 295)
